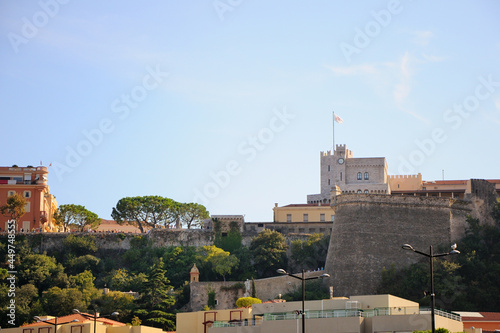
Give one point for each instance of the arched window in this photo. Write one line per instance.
(367, 176)
(359, 191)
(359, 176)
(366, 191)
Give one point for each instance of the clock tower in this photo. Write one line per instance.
(339, 165)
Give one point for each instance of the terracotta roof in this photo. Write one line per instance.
(445, 182)
(77, 317)
(274, 301)
(456, 182)
(111, 225)
(486, 316)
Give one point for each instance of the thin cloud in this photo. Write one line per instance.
(402, 89)
(432, 58)
(353, 70)
(396, 74)
(422, 38)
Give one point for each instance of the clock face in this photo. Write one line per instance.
(340, 160)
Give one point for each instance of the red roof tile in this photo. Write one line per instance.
(487, 316)
(80, 317)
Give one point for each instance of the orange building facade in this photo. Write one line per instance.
(31, 183)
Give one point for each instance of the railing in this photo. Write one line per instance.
(239, 323)
(314, 314)
(390, 311)
(442, 313)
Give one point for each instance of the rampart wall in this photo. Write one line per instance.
(160, 238)
(122, 241)
(369, 230)
(226, 294)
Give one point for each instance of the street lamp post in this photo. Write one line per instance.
(95, 316)
(431, 257)
(303, 278)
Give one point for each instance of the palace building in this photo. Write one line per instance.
(342, 173)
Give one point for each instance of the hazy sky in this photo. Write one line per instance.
(229, 102)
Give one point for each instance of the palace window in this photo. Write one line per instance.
(341, 176)
(27, 194)
(328, 182)
(328, 168)
(322, 217)
(359, 191)
(289, 217)
(360, 176)
(366, 192)
(306, 217)
(367, 176)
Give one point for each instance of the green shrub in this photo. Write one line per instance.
(246, 302)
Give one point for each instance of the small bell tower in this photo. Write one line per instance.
(194, 274)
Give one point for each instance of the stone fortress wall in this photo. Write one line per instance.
(369, 230)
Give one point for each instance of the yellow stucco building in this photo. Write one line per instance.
(357, 314)
(303, 213)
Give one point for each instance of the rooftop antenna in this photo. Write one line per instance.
(443, 174)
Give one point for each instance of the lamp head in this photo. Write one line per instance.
(325, 275)
(115, 313)
(76, 311)
(408, 247)
(281, 271)
(454, 249)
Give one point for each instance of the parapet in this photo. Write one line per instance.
(401, 200)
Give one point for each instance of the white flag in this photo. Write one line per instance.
(337, 119)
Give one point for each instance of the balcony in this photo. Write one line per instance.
(43, 216)
(338, 313)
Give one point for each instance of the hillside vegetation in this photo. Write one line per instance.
(55, 283)
(465, 282)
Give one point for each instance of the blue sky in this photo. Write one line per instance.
(229, 102)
